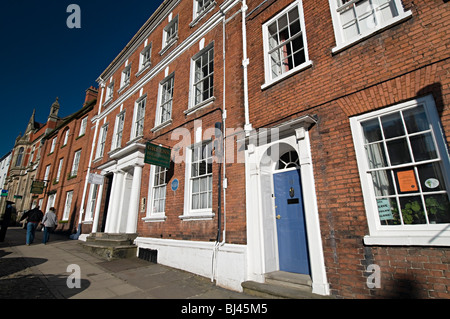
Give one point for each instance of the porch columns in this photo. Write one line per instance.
(113, 213)
(133, 208)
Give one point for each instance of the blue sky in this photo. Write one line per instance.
(43, 59)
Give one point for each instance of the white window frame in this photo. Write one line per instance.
(66, 137)
(90, 209)
(269, 79)
(143, 61)
(52, 149)
(139, 117)
(67, 205)
(418, 234)
(118, 131)
(47, 172)
(342, 43)
(102, 141)
(151, 215)
(189, 212)
(125, 77)
(109, 93)
(167, 83)
(170, 34)
(193, 105)
(58, 174)
(76, 163)
(83, 126)
(199, 10)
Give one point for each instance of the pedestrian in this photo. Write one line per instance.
(50, 223)
(34, 217)
(10, 210)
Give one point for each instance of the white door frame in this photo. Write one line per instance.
(261, 158)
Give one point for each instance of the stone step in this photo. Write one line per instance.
(111, 252)
(289, 279)
(111, 246)
(108, 241)
(282, 285)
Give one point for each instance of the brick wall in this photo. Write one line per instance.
(401, 63)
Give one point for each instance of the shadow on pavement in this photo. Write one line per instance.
(19, 281)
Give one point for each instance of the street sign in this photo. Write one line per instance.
(4, 193)
(37, 187)
(157, 155)
(95, 179)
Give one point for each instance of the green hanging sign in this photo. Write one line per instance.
(157, 155)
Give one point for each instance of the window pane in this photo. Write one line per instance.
(195, 186)
(388, 211)
(203, 182)
(372, 131)
(195, 170)
(376, 155)
(382, 182)
(412, 210)
(392, 125)
(416, 120)
(438, 208)
(431, 177)
(398, 151)
(195, 201)
(204, 200)
(423, 147)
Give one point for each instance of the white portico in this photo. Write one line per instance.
(126, 166)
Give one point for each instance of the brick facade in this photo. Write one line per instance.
(405, 61)
(313, 108)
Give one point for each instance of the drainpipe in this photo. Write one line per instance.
(245, 62)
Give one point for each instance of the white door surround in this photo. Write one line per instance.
(126, 165)
(262, 155)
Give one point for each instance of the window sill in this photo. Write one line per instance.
(168, 46)
(161, 126)
(198, 216)
(155, 219)
(200, 106)
(425, 240)
(301, 67)
(143, 69)
(107, 101)
(135, 139)
(343, 46)
(202, 14)
(124, 87)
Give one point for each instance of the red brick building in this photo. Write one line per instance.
(335, 124)
(358, 93)
(176, 81)
(26, 157)
(63, 166)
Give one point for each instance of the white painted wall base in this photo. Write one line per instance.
(197, 257)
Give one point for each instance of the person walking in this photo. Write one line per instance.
(9, 211)
(50, 223)
(34, 216)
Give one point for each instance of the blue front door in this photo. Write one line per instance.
(290, 219)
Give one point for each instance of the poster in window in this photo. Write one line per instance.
(384, 209)
(407, 181)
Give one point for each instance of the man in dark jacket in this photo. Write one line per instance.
(34, 218)
(9, 211)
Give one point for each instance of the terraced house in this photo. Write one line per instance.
(258, 141)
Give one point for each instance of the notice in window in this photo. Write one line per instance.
(384, 209)
(407, 181)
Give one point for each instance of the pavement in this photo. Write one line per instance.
(51, 271)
